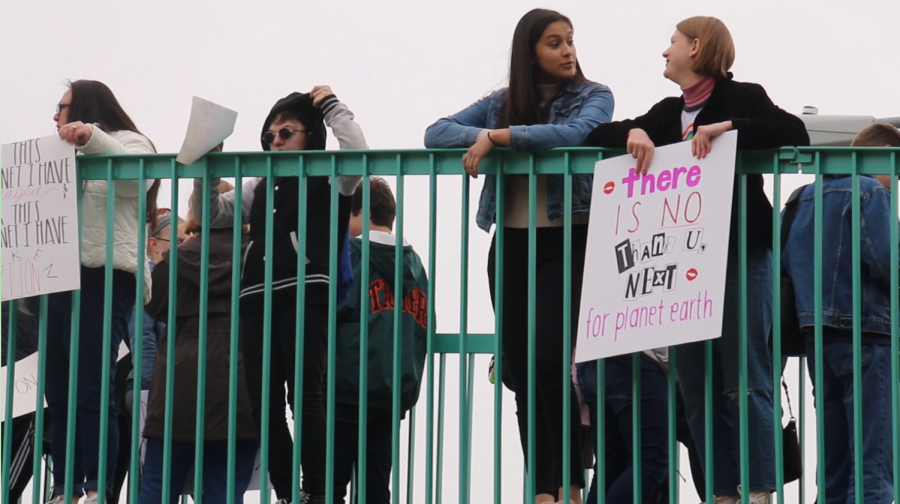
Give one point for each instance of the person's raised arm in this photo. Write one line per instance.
(221, 206)
(89, 139)
(349, 134)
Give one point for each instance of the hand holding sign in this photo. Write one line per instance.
(209, 126)
(76, 133)
(641, 148)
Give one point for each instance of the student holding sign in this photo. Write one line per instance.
(549, 103)
(698, 60)
(90, 118)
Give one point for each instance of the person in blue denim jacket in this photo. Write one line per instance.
(549, 103)
(875, 222)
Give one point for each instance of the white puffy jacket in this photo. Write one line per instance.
(126, 220)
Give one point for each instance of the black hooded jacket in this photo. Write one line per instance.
(286, 219)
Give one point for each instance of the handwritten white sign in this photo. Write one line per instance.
(657, 251)
(25, 383)
(39, 220)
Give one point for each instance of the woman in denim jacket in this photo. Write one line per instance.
(549, 103)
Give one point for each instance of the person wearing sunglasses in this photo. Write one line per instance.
(297, 122)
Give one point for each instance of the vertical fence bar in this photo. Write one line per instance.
(817, 301)
(857, 334)
(103, 461)
(567, 334)
(203, 326)
(137, 350)
(75, 328)
(38, 452)
(332, 333)
(532, 327)
(170, 347)
(776, 327)
(673, 430)
(801, 370)
(708, 466)
(744, 424)
(265, 493)
(234, 348)
(463, 346)
(499, 248)
(299, 328)
(636, 425)
(499, 254)
(429, 413)
(10, 381)
(411, 456)
(398, 336)
(440, 447)
(895, 331)
(362, 449)
(600, 474)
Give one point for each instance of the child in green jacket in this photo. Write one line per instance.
(379, 315)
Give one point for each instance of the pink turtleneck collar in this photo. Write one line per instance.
(698, 92)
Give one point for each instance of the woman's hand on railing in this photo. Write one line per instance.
(641, 148)
(701, 144)
(476, 153)
(76, 133)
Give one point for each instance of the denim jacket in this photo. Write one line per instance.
(837, 254)
(576, 112)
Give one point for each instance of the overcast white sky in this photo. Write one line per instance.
(400, 65)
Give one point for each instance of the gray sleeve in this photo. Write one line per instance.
(349, 134)
(221, 206)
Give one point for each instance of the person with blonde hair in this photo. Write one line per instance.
(698, 60)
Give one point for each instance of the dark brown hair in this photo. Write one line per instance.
(94, 103)
(382, 206)
(523, 98)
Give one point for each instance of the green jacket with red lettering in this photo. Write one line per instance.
(378, 311)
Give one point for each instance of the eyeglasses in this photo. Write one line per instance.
(61, 106)
(285, 134)
(179, 241)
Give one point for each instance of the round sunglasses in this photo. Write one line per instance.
(285, 134)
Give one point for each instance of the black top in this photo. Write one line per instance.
(760, 125)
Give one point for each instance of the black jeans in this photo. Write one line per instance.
(551, 361)
(281, 369)
(90, 366)
(378, 452)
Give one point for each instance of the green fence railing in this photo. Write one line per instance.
(428, 477)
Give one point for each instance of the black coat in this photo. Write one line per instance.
(760, 125)
(187, 346)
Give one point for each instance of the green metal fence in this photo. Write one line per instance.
(439, 166)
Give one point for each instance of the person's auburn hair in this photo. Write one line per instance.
(877, 135)
(716, 45)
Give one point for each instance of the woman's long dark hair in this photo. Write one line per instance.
(523, 99)
(94, 103)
